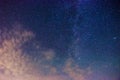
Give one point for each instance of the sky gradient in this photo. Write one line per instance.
(59, 40)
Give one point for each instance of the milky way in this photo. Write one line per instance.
(59, 40)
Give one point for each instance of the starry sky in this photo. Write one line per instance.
(59, 39)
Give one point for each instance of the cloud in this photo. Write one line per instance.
(74, 71)
(48, 54)
(11, 57)
(15, 65)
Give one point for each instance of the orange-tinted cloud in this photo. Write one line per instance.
(14, 65)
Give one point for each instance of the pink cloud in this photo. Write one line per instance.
(16, 66)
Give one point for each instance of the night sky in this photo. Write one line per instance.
(59, 39)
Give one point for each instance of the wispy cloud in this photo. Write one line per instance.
(15, 64)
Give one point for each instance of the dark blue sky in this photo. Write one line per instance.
(86, 30)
